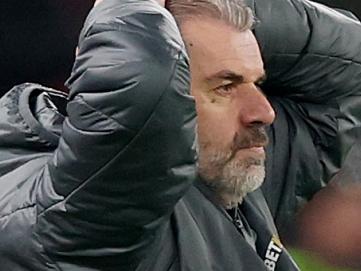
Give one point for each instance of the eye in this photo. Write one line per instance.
(259, 84)
(259, 87)
(225, 90)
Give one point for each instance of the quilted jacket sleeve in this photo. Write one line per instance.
(126, 156)
(312, 58)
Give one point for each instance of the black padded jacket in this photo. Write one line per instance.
(109, 182)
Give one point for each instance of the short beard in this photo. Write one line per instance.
(232, 181)
(230, 178)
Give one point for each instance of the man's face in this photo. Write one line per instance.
(226, 69)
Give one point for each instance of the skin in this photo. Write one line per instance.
(226, 68)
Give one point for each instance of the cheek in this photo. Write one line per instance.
(214, 127)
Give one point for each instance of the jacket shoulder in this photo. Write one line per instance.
(26, 113)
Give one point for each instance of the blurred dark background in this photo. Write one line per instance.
(38, 38)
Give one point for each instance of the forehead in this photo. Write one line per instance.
(214, 46)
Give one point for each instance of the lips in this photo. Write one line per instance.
(252, 142)
(243, 153)
(253, 138)
(256, 149)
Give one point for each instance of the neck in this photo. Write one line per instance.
(218, 197)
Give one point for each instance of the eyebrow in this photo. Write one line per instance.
(234, 77)
(226, 75)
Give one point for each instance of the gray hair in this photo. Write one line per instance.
(232, 12)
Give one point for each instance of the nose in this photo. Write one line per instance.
(254, 108)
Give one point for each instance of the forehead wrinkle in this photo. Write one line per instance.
(227, 49)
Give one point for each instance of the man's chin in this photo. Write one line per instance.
(250, 154)
(235, 187)
(232, 179)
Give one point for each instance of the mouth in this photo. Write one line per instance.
(255, 149)
(252, 150)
